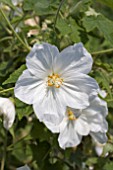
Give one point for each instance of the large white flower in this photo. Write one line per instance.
(55, 80)
(7, 109)
(78, 123)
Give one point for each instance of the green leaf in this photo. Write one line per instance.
(14, 76)
(22, 152)
(74, 35)
(70, 28)
(41, 7)
(39, 131)
(22, 109)
(80, 6)
(91, 161)
(3, 69)
(40, 152)
(110, 103)
(104, 25)
(109, 3)
(63, 26)
(108, 166)
(107, 148)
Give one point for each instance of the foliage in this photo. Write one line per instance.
(88, 21)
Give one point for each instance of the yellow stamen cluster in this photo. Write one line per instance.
(54, 80)
(71, 115)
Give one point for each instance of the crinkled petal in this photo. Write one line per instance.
(28, 88)
(68, 136)
(40, 60)
(82, 127)
(98, 106)
(95, 114)
(7, 109)
(73, 98)
(51, 108)
(104, 127)
(99, 137)
(75, 58)
(81, 83)
(95, 121)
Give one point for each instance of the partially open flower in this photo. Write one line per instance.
(55, 80)
(78, 123)
(7, 109)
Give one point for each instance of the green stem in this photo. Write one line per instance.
(6, 90)
(4, 152)
(61, 3)
(102, 51)
(8, 22)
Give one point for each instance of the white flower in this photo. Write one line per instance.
(55, 80)
(78, 123)
(23, 168)
(7, 109)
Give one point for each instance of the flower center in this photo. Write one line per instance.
(71, 115)
(54, 80)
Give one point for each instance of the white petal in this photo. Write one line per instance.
(40, 60)
(104, 127)
(74, 58)
(23, 168)
(8, 110)
(82, 127)
(81, 83)
(68, 136)
(95, 121)
(99, 106)
(28, 88)
(73, 98)
(99, 137)
(99, 149)
(51, 108)
(51, 124)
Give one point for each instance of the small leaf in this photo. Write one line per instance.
(41, 7)
(103, 24)
(91, 161)
(14, 76)
(107, 148)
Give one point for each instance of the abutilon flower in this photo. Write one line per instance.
(54, 80)
(7, 109)
(78, 123)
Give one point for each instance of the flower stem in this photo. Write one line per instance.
(4, 151)
(102, 51)
(9, 24)
(6, 90)
(58, 10)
